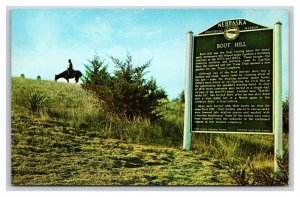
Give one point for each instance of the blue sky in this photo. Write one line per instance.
(42, 40)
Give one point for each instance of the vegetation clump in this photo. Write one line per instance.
(126, 91)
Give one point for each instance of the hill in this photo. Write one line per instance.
(46, 152)
(60, 136)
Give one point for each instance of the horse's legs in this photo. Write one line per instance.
(67, 80)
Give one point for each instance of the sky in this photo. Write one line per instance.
(43, 39)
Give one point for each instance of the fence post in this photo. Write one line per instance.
(188, 91)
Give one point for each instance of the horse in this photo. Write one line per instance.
(69, 75)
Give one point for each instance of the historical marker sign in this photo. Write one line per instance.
(233, 81)
(232, 78)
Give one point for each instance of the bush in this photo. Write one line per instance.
(125, 92)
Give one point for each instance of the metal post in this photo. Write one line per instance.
(188, 91)
(278, 144)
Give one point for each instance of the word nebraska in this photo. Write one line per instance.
(239, 22)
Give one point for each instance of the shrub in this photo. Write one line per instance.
(126, 91)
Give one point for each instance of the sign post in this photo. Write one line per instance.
(278, 145)
(188, 91)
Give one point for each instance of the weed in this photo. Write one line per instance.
(246, 172)
(267, 176)
(35, 101)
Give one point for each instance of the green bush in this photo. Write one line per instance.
(125, 92)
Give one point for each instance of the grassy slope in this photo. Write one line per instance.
(49, 151)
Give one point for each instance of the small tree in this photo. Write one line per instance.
(96, 72)
(97, 79)
(181, 96)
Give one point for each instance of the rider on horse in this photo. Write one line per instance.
(69, 73)
(70, 68)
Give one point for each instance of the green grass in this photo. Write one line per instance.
(71, 104)
(48, 152)
(62, 135)
(62, 101)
